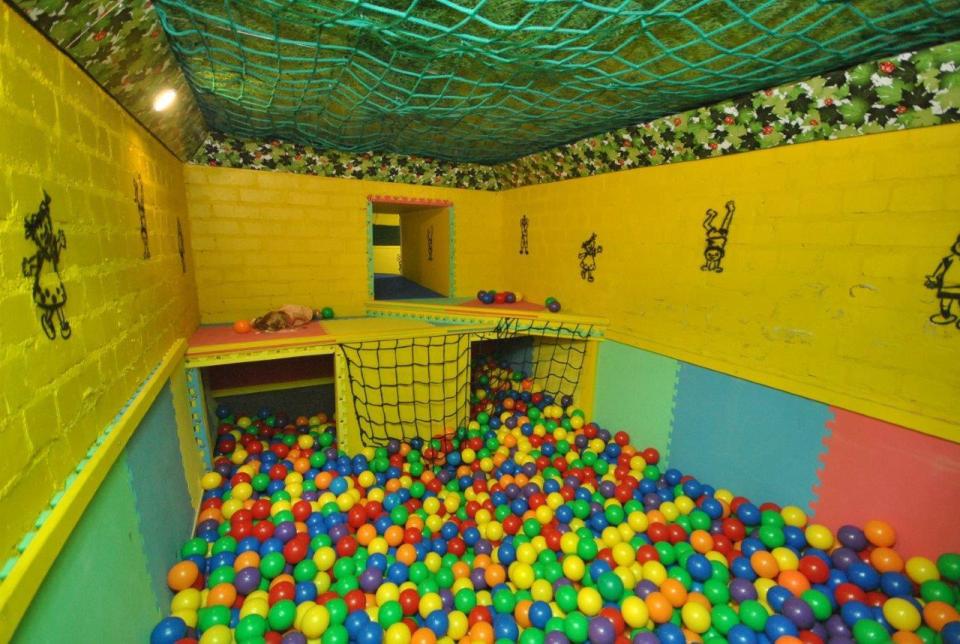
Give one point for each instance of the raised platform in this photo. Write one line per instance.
(469, 310)
(220, 344)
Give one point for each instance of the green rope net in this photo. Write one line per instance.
(492, 80)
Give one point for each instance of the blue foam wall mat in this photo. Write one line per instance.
(756, 441)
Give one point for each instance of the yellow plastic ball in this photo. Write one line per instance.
(819, 536)
(696, 617)
(315, 622)
(635, 612)
(219, 634)
(794, 516)
(211, 481)
(457, 625)
(187, 599)
(901, 614)
(397, 634)
(623, 554)
(368, 478)
(573, 567)
(241, 491)
(654, 571)
(786, 558)
(921, 569)
(589, 601)
(526, 553)
(325, 557)
(521, 574)
(429, 603)
(541, 590)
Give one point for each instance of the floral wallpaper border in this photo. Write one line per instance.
(914, 89)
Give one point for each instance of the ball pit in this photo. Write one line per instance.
(531, 525)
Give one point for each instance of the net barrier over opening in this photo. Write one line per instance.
(493, 80)
(420, 387)
(408, 388)
(552, 353)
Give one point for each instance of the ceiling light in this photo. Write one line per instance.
(164, 99)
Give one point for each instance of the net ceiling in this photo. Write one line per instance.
(493, 80)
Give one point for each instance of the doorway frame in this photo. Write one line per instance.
(410, 204)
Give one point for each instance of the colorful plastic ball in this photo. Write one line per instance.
(879, 533)
(326, 313)
(949, 566)
(183, 575)
(169, 630)
(242, 326)
(901, 614)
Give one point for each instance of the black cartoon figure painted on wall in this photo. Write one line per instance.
(588, 257)
(49, 293)
(430, 244)
(946, 280)
(180, 247)
(141, 208)
(524, 225)
(716, 237)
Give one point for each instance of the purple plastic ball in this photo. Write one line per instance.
(294, 637)
(836, 627)
(370, 580)
(602, 631)
(741, 590)
(554, 306)
(798, 612)
(842, 558)
(285, 531)
(247, 580)
(644, 588)
(555, 637)
(852, 537)
(477, 577)
(446, 596)
(646, 638)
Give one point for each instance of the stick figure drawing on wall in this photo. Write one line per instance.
(588, 257)
(49, 293)
(430, 244)
(716, 238)
(524, 224)
(141, 208)
(946, 280)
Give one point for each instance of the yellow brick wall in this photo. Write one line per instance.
(822, 292)
(62, 134)
(264, 239)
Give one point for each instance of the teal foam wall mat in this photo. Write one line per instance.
(163, 505)
(98, 589)
(635, 393)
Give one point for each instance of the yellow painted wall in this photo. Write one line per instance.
(822, 293)
(264, 239)
(64, 135)
(431, 271)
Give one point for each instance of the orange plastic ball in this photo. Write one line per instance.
(182, 575)
(938, 614)
(764, 564)
(659, 607)
(880, 533)
(242, 326)
(222, 595)
(886, 560)
(423, 636)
